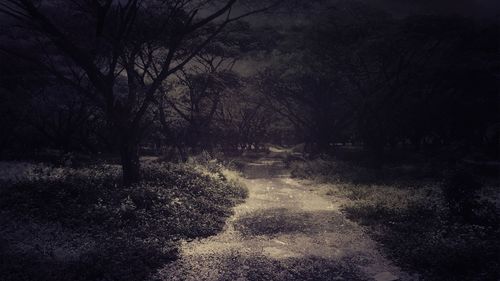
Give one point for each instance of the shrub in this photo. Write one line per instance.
(134, 229)
(420, 237)
(416, 231)
(443, 231)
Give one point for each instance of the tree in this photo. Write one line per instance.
(120, 53)
(200, 87)
(355, 73)
(20, 81)
(306, 84)
(244, 120)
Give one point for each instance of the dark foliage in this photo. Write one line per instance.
(446, 231)
(421, 239)
(460, 190)
(134, 229)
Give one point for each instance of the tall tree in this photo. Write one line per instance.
(120, 53)
(198, 89)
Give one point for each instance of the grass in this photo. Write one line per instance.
(411, 217)
(80, 224)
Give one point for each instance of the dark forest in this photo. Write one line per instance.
(249, 140)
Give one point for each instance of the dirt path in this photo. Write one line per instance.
(283, 231)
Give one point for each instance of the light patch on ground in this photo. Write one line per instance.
(279, 253)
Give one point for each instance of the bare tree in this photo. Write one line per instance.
(120, 53)
(199, 90)
(245, 120)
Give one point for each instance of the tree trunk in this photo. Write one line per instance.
(129, 152)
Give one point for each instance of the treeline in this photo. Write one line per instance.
(94, 75)
(205, 106)
(106, 77)
(356, 75)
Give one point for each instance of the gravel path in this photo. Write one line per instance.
(283, 231)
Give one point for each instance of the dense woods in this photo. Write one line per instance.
(352, 75)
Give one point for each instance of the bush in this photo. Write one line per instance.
(442, 230)
(133, 229)
(419, 236)
(416, 231)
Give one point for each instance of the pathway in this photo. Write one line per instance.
(283, 231)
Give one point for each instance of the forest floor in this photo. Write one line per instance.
(284, 231)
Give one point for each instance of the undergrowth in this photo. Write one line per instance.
(440, 229)
(117, 232)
